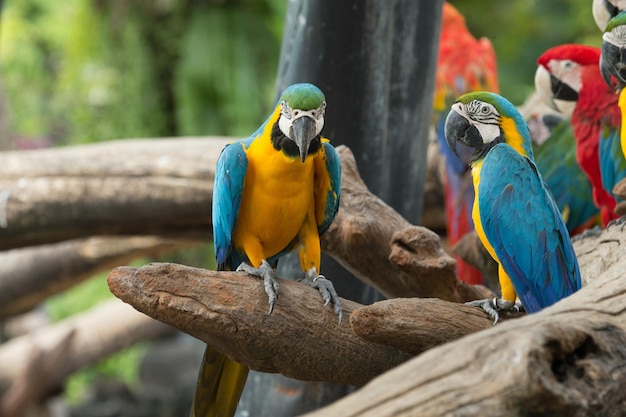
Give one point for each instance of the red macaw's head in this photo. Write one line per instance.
(562, 73)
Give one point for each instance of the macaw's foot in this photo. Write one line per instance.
(595, 231)
(617, 222)
(268, 274)
(492, 306)
(326, 288)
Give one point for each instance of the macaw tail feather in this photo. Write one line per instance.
(220, 384)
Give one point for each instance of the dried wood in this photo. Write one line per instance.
(85, 337)
(301, 339)
(30, 275)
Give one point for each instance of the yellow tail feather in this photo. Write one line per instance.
(220, 384)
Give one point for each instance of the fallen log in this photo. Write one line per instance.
(85, 337)
(567, 360)
(129, 187)
(30, 275)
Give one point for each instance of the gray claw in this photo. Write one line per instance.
(326, 288)
(268, 274)
(489, 306)
(492, 306)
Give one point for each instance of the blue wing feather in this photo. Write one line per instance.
(332, 197)
(524, 226)
(569, 185)
(230, 173)
(612, 162)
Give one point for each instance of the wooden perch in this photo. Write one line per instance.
(127, 187)
(85, 338)
(567, 360)
(229, 310)
(30, 275)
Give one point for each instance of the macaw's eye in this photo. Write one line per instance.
(484, 109)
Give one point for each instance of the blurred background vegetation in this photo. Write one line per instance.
(80, 71)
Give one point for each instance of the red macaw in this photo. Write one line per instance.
(569, 77)
(465, 64)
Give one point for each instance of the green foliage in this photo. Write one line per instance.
(224, 84)
(521, 30)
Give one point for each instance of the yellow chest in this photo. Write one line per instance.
(278, 196)
(478, 226)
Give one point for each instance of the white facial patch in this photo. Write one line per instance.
(483, 116)
(288, 116)
(616, 37)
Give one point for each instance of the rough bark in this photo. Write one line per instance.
(301, 339)
(84, 338)
(30, 275)
(120, 187)
(567, 360)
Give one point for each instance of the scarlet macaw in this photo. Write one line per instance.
(274, 192)
(555, 157)
(515, 215)
(569, 75)
(464, 64)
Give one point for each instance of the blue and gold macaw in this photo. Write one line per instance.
(514, 214)
(274, 192)
(613, 63)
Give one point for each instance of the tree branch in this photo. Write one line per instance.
(160, 187)
(229, 310)
(567, 360)
(29, 275)
(86, 338)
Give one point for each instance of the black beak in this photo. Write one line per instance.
(613, 63)
(302, 133)
(562, 91)
(458, 129)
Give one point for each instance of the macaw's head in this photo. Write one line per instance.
(605, 10)
(301, 115)
(613, 61)
(482, 119)
(561, 72)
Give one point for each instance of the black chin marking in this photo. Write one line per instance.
(288, 146)
(481, 152)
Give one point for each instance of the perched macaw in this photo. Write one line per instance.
(515, 215)
(605, 10)
(613, 63)
(569, 76)
(274, 192)
(554, 147)
(464, 64)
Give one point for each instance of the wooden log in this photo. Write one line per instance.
(30, 275)
(567, 360)
(86, 337)
(229, 310)
(133, 187)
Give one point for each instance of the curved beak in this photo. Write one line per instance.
(458, 129)
(302, 132)
(613, 63)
